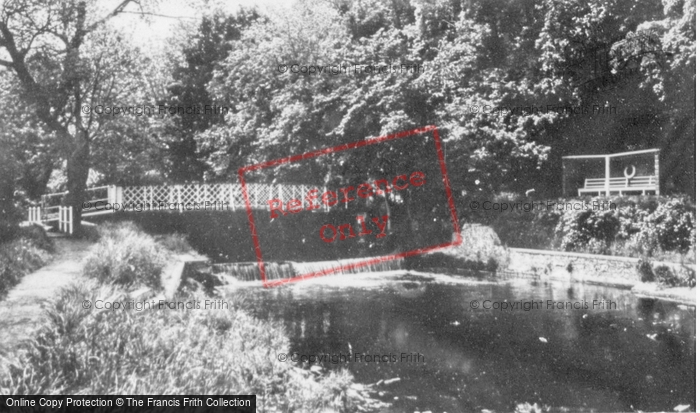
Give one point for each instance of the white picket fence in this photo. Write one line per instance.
(65, 219)
(213, 197)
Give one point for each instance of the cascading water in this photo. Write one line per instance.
(248, 271)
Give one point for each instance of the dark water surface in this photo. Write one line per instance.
(639, 356)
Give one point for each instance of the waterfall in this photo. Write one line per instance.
(248, 271)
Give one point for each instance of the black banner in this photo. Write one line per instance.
(131, 404)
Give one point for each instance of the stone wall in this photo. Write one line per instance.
(598, 269)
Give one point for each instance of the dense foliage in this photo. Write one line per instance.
(660, 227)
(499, 78)
(472, 57)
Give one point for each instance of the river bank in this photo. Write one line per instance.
(126, 291)
(482, 243)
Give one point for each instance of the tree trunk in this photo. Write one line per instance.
(78, 169)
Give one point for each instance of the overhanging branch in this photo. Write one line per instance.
(120, 8)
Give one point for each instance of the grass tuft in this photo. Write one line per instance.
(125, 255)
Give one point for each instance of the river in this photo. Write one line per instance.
(455, 350)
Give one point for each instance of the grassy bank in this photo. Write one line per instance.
(29, 250)
(158, 350)
(162, 352)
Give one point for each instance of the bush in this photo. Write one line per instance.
(38, 237)
(591, 230)
(28, 252)
(671, 227)
(164, 352)
(491, 265)
(665, 276)
(125, 255)
(659, 227)
(641, 229)
(669, 278)
(645, 271)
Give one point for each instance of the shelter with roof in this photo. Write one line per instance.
(625, 173)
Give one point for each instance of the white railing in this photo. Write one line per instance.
(228, 195)
(65, 219)
(50, 203)
(217, 197)
(34, 215)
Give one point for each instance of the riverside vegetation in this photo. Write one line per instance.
(80, 351)
(657, 228)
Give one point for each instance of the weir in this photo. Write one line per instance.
(248, 271)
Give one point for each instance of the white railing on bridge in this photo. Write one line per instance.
(109, 199)
(228, 195)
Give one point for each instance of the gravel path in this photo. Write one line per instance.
(21, 310)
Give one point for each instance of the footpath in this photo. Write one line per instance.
(21, 311)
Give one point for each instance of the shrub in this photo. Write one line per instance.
(665, 276)
(164, 352)
(591, 230)
(635, 228)
(645, 271)
(670, 278)
(670, 227)
(687, 278)
(127, 256)
(491, 265)
(38, 237)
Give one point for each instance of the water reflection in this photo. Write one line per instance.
(639, 354)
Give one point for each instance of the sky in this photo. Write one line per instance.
(153, 32)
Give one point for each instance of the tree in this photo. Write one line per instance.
(65, 61)
(205, 49)
(493, 73)
(636, 56)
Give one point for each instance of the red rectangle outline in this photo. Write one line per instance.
(358, 144)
